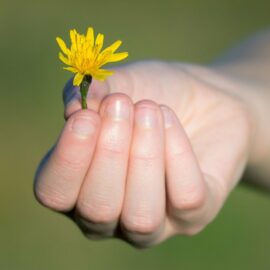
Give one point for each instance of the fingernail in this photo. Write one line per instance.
(118, 110)
(167, 116)
(83, 126)
(146, 117)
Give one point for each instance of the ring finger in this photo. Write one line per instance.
(144, 207)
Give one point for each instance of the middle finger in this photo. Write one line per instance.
(101, 197)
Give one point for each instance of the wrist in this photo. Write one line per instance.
(257, 98)
(253, 96)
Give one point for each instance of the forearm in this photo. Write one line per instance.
(248, 67)
(244, 72)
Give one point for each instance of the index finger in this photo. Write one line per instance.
(59, 179)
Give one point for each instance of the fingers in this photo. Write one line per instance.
(59, 180)
(144, 205)
(101, 197)
(186, 187)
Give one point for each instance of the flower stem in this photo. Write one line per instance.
(84, 86)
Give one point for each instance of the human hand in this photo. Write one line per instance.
(148, 171)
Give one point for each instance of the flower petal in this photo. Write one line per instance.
(90, 36)
(113, 47)
(106, 53)
(99, 40)
(98, 44)
(63, 46)
(64, 59)
(72, 69)
(117, 57)
(73, 34)
(101, 74)
(78, 79)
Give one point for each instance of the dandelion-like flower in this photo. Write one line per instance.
(86, 57)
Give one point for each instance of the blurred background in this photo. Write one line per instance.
(31, 113)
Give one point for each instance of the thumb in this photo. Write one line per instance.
(118, 82)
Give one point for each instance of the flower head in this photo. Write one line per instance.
(86, 57)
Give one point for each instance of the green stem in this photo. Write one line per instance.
(84, 86)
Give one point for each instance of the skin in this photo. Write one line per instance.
(158, 151)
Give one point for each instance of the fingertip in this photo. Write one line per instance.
(117, 99)
(169, 118)
(83, 123)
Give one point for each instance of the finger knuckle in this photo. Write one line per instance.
(140, 224)
(52, 199)
(111, 150)
(95, 231)
(145, 156)
(145, 153)
(98, 212)
(68, 162)
(188, 201)
(113, 143)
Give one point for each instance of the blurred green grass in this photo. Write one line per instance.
(32, 237)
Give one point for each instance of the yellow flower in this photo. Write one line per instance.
(85, 56)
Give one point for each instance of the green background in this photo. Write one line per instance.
(31, 116)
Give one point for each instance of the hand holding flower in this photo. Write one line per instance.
(133, 168)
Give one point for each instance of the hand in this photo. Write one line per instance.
(148, 171)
